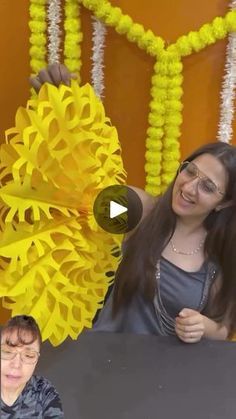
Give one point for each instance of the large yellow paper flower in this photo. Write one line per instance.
(56, 262)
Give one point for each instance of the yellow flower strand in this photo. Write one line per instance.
(162, 155)
(38, 37)
(73, 37)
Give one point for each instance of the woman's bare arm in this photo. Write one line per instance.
(148, 202)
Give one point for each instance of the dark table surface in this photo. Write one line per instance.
(117, 376)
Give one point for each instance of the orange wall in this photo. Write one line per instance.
(127, 73)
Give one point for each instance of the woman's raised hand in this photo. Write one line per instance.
(55, 74)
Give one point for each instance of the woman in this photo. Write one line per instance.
(177, 271)
(177, 274)
(24, 395)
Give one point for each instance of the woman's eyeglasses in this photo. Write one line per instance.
(27, 356)
(191, 171)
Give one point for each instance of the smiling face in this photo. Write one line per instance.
(191, 201)
(15, 373)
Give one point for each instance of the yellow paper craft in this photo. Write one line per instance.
(56, 262)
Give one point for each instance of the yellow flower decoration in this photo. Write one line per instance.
(73, 36)
(163, 149)
(56, 262)
(38, 38)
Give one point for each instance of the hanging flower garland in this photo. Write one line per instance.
(73, 36)
(38, 37)
(225, 130)
(165, 117)
(54, 39)
(97, 73)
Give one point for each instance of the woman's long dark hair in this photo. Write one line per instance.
(145, 246)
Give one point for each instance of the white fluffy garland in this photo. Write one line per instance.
(225, 130)
(54, 38)
(97, 73)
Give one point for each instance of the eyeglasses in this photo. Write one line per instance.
(191, 171)
(28, 356)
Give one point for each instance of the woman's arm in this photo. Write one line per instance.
(215, 330)
(148, 202)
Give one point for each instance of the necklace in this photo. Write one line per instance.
(192, 253)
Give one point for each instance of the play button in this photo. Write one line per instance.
(117, 209)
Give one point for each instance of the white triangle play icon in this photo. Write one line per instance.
(116, 209)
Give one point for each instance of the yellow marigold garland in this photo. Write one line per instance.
(73, 37)
(38, 37)
(162, 155)
(61, 153)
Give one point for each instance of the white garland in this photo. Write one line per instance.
(97, 73)
(225, 130)
(54, 19)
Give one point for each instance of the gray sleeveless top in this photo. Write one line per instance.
(178, 289)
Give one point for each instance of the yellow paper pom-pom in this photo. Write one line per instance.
(172, 131)
(157, 107)
(195, 41)
(160, 81)
(171, 143)
(184, 45)
(113, 17)
(175, 68)
(135, 33)
(147, 40)
(156, 47)
(151, 157)
(159, 93)
(38, 39)
(230, 21)
(171, 155)
(37, 27)
(124, 24)
(154, 180)
(151, 169)
(219, 28)
(175, 93)
(174, 118)
(170, 166)
(154, 133)
(167, 178)
(156, 120)
(53, 256)
(92, 4)
(174, 105)
(153, 190)
(175, 81)
(37, 12)
(206, 34)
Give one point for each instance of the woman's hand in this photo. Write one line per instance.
(54, 74)
(190, 325)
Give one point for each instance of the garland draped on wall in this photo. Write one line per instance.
(162, 143)
(225, 130)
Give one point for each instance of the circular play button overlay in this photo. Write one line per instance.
(117, 209)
